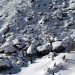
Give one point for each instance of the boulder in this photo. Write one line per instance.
(59, 49)
(17, 44)
(20, 43)
(43, 50)
(31, 50)
(5, 64)
(57, 46)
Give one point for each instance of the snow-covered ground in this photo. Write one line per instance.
(37, 37)
(40, 66)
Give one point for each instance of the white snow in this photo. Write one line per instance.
(40, 66)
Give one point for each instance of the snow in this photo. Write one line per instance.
(40, 68)
(35, 68)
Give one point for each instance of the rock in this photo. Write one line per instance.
(10, 53)
(31, 50)
(7, 48)
(37, 41)
(5, 29)
(5, 64)
(18, 43)
(59, 49)
(19, 47)
(57, 46)
(43, 50)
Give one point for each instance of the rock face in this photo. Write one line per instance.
(4, 67)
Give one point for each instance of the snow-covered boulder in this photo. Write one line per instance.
(57, 46)
(16, 41)
(44, 47)
(43, 50)
(31, 50)
(5, 64)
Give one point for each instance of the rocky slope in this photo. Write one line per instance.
(35, 27)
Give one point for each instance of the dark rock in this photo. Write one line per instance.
(32, 1)
(5, 64)
(2, 51)
(9, 53)
(42, 53)
(2, 68)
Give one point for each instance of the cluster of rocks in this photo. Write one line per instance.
(15, 50)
